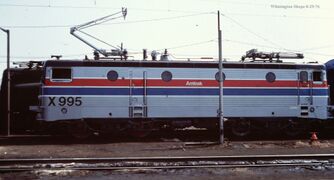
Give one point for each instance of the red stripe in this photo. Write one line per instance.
(190, 83)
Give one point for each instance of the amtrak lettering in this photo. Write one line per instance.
(194, 83)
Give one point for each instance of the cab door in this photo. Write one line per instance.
(304, 88)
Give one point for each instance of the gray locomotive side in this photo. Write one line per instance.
(102, 92)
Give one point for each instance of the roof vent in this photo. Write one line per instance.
(165, 56)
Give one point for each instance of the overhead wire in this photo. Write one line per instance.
(252, 32)
(250, 44)
(170, 18)
(163, 19)
(106, 20)
(272, 47)
(54, 6)
(238, 2)
(105, 7)
(133, 51)
(99, 7)
(97, 39)
(276, 46)
(319, 47)
(280, 16)
(165, 9)
(126, 22)
(189, 45)
(40, 57)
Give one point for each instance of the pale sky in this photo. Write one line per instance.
(187, 28)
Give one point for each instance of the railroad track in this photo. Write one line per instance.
(301, 160)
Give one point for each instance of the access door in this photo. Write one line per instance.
(137, 93)
(305, 92)
(305, 88)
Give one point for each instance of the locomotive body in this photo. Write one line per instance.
(73, 90)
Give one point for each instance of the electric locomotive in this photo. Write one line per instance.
(142, 96)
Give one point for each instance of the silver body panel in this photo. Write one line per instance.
(152, 100)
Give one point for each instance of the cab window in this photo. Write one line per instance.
(317, 76)
(303, 76)
(61, 74)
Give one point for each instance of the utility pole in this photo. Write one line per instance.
(221, 93)
(8, 82)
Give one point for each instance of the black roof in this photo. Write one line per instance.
(180, 64)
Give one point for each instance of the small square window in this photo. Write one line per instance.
(61, 74)
(317, 76)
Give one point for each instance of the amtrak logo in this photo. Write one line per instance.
(194, 83)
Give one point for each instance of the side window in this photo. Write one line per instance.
(270, 77)
(112, 75)
(217, 76)
(166, 76)
(317, 76)
(303, 76)
(61, 74)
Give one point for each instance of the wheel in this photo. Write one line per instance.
(241, 127)
(293, 127)
(140, 129)
(79, 130)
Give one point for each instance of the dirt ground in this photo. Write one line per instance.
(171, 147)
(193, 174)
(168, 148)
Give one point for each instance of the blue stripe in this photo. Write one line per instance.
(180, 91)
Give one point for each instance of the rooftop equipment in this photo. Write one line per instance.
(270, 56)
(165, 56)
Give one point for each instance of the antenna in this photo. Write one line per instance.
(114, 52)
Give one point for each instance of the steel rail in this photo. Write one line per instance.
(173, 159)
(94, 168)
(119, 163)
